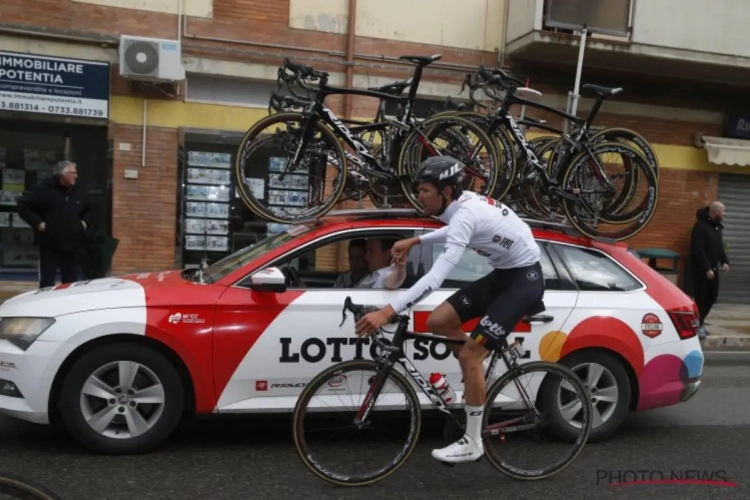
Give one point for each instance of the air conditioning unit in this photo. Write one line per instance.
(151, 59)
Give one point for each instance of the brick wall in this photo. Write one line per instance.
(682, 192)
(144, 215)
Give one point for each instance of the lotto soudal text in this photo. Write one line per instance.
(337, 349)
(632, 477)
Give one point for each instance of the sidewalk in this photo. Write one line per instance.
(728, 325)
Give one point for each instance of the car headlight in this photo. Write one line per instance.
(22, 332)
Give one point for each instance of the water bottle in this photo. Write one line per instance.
(441, 386)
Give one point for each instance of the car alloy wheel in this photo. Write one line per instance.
(122, 400)
(602, 386)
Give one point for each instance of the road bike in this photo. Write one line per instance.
(305, 149)
(14, 486)
(573, 176)
(390, 365)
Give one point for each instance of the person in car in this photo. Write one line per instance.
(357, 265)
(385, 271)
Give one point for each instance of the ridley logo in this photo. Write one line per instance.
(337, 381)
(261, 385)
(651, 325)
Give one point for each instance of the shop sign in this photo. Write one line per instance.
(738, 126)
(54, 85)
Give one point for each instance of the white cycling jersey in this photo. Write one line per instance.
(482, 224)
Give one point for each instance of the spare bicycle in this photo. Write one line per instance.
(505, 416)
(306, 150)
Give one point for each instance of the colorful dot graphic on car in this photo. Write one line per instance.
(609, 333)
(668, 380)
(551, 344)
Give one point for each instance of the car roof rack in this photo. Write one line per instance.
(366, 213)
(566, 229)
(395, 213)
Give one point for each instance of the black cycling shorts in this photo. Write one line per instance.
(501, 299)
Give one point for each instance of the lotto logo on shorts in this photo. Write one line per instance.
(492, 328)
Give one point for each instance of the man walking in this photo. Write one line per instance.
(59, 213)
(707, 255)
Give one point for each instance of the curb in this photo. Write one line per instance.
(730, 343)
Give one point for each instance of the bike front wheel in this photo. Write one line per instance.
(537, 396)
(16, 487)
(333, 400)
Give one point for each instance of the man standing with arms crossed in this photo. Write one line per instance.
(59, 213)
(501, 298)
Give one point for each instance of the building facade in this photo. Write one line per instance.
(138, 143)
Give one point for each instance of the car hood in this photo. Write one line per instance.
(105, 293)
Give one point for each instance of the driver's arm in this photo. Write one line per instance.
(459, 233)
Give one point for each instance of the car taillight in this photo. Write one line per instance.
(685, 321)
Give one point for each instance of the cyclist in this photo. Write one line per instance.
(500, 298)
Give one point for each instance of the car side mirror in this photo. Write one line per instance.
(270, 279)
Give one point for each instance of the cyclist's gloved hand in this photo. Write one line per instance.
(371, 321)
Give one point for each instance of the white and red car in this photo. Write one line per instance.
(121, 360)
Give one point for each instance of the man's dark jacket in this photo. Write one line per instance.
(707, 243)
(62, 209)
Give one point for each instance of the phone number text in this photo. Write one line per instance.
(50, 108)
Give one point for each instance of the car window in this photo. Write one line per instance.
(472, 266)
(326, 264)
(595, 271)
(238, 259)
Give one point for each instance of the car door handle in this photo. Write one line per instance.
(539, 318)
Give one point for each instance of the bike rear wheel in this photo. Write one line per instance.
(314, 409)
(557, 379)
(12, 486)
(479, 154)
(323, 164)
(589, 214)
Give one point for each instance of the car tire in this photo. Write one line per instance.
(154, 373)
(613, 414)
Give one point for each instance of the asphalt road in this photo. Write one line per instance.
(709, 435)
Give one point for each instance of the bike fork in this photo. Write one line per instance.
(307, 134)
(372, 395)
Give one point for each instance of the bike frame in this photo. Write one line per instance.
(396, 355)
(319, 111)
(503, 116)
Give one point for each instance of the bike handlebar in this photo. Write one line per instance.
(280, 103)
(484, 79)
(359, 311)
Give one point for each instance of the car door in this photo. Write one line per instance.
(296, 334)
(538, 336)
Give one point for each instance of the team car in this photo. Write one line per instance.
(121, 360)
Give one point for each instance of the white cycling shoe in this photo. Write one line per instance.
(463, 450)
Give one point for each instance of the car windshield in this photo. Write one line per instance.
(231, 263)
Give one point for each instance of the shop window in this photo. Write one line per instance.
(225, 90)
(28, 152)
